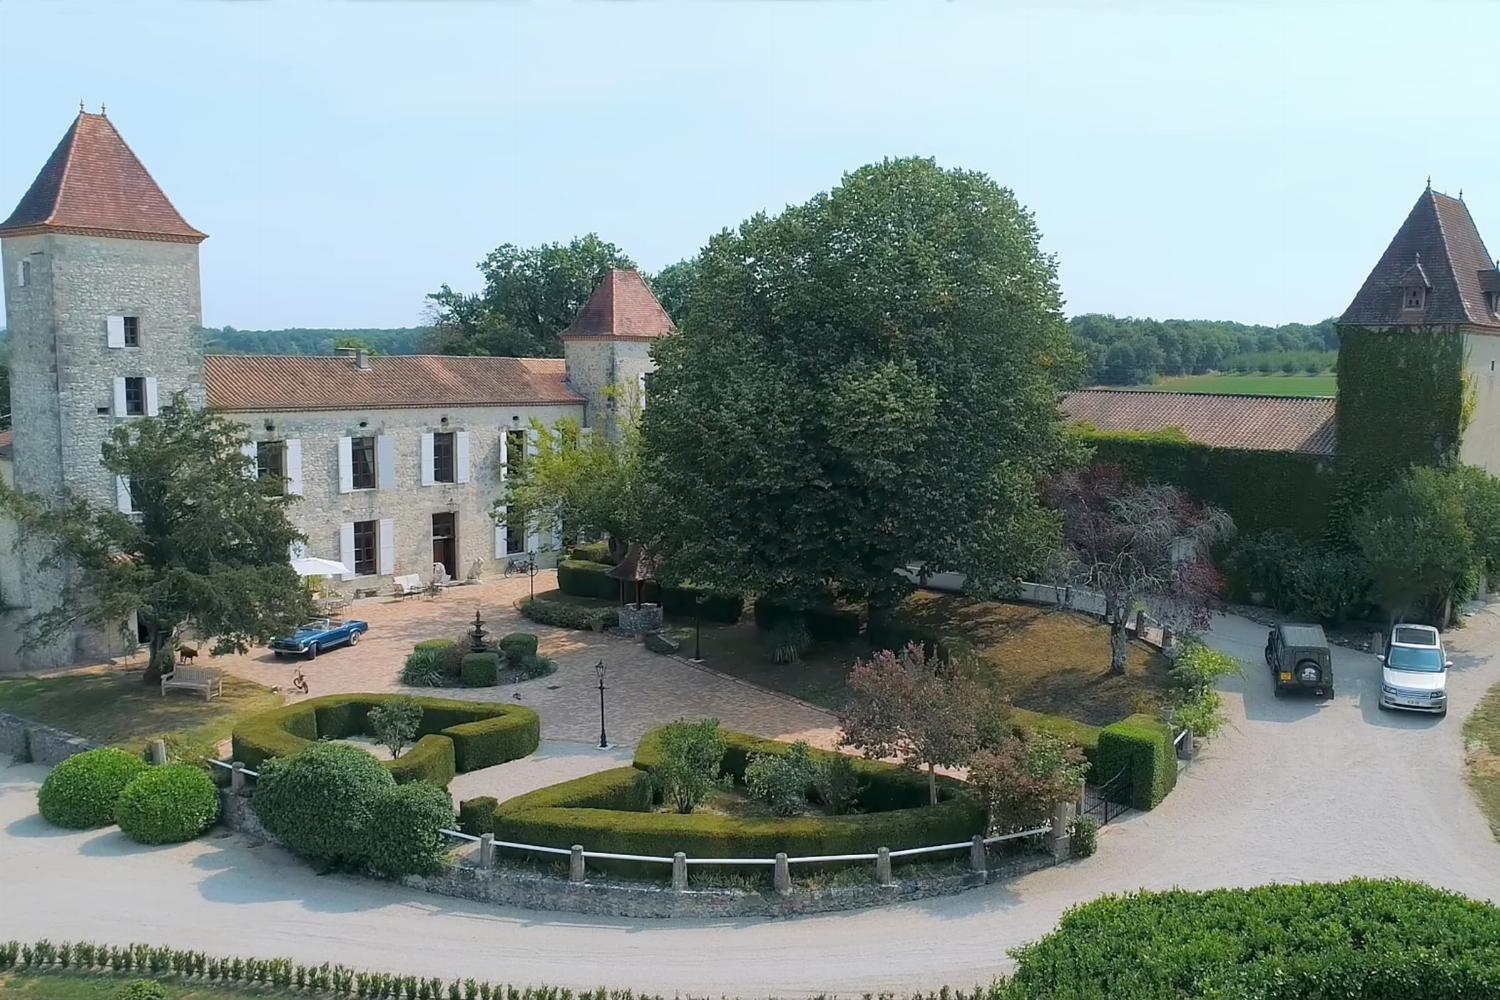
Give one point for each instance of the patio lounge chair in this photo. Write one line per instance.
(409, 585)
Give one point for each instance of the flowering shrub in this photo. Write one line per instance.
(1022, 780)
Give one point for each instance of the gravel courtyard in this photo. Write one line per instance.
(1366, 792)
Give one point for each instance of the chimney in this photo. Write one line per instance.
(362, 359)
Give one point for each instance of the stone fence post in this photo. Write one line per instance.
(783, 874)
(883, 866)
(679, 872)
(237, 778)
(1058, 840)
(978, 856)
(576, 864)
(486, 850)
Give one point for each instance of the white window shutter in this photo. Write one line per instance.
(461, 457)
(122, 495)
(385, 462)
(346, 474)
(119, 397)
(346, 547)
(504, 452)
(427, 475)
(500, 536)
(387, 546)
(114, 330)
(531, 438)
(250, 450)
(150, 396)
(293, 467)
(641, 390)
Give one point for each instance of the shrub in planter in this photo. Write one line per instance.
(1083, 836)
(781, 780)
(168, 805)
(480, 670)
(476, 816)
(404, 840)
(81, 792)
(689, 768)
(1141, 745)
(321, 802)
(516, 645)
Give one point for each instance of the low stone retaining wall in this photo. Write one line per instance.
(40, 744)
(516, 885)
(638, 620)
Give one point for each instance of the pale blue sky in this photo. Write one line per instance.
(1237, 160)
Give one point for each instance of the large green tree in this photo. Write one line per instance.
(530, 296)
(863, 382)
(206, 545)
(673, 286)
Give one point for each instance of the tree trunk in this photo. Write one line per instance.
(617, 548)
(1119, 639)
(156, 653)
(932, 784)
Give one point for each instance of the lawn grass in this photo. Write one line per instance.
(73, 986)
(1253, 385)
(1053, 662)
(1482, 756)
(114, 706)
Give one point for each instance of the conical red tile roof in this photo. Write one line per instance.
(622, 306)
(93, 184)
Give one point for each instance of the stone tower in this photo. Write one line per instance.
(103, 306)
(608, 347)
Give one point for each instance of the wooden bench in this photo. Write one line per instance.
(205, 679)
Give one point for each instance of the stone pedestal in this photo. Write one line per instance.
(640, 620)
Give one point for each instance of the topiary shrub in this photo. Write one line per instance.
(1142, 746)
(81, 792)
(405, 839)
(320, 803)
(595, 552)
(476, 816)
(168, 805)
(480, 670)
(516, 645)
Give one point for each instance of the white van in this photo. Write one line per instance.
(1414, 675)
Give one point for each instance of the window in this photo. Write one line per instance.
(1415, 297)
(515, 450)
(23, 272)
(445, 542)
(135, 396)
(132, 331)
(270, 465)
(365, 534)
(443, 464)
(362, 456)
(515, 531)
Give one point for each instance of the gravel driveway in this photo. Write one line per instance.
(1293, 790)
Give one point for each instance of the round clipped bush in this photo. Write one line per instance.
(81, 792)
(321, 802)
(405, 840)
(517, 644)
(142, 989)
(168, 805)
(481, 670)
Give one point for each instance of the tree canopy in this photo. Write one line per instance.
(206, 544)
(530, 296)
(1128, 351)
(866, 381)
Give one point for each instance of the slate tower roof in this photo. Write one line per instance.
(94, 185)
(1439, 248)
(622, 306)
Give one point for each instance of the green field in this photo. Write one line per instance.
(1253, 385)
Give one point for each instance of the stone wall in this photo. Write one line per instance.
(323, 510)
(38, 743)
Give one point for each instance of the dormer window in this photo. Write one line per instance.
(1414, 285)
(1416, 298)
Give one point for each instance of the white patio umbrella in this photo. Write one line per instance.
(313, 566)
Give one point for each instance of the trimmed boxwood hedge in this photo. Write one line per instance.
(588, 579)
(596, 552)
(81, 792)
(608, 811)
(1373, 940)
(476, 816)
(168, 805)
(480, 670)
(456, 736)
(583, 578)
(565, 615)
(1141, 744)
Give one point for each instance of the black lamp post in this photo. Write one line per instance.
(531, 571)
(603, 740)
(698, 628)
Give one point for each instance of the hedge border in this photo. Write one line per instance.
(584, 578)
(607, 812)
(456, 736)
(1142, 745)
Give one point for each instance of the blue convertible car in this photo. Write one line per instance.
(318, 635)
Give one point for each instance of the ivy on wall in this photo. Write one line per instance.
(1261, 490)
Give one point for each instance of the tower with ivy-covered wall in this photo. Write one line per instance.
(608, 347)
(103, 307)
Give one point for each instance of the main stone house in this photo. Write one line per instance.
(397, 461)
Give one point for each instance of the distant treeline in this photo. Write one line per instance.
(1125, 351)
(299, 340)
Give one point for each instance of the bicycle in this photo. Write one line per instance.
(521, 567)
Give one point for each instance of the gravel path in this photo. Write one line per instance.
(1362, 792)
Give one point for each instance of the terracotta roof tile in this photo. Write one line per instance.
(7, 444)
(1250, 423)
(1439, 243)
(93, 183)
(622, 306)
(286, 382)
